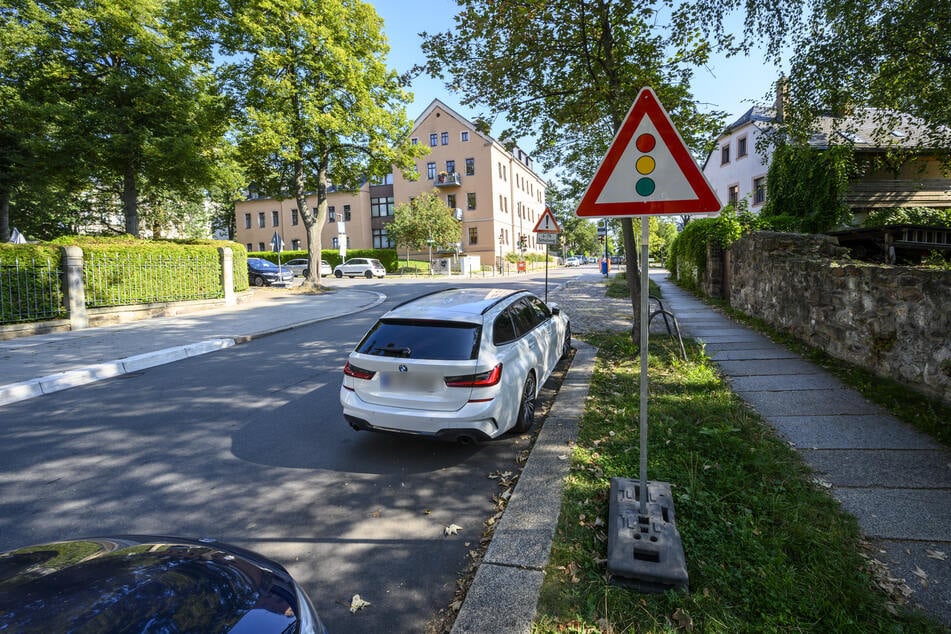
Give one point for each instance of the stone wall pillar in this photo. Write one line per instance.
(226, 257)
(74, 289)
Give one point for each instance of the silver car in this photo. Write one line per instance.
(299, 266)
(360, 267)
(459, 365)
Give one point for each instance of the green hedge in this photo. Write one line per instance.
(120, 270)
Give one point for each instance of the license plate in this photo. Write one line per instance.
(404, 381)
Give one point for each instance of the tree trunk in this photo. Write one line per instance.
(4, 214)
(313, 222)
(130, 197)
(633, 277)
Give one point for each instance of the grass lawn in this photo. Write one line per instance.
(767, 548)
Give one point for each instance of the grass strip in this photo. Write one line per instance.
(767, 548)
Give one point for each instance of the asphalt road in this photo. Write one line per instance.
(248, 446)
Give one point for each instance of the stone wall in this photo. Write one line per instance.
(892, 320)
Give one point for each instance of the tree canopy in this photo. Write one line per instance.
(425, 221)
(566, 73)
(320, 107)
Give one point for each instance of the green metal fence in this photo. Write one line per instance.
(124, 279)
(30, 291)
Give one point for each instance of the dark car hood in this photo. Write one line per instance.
(147, 584)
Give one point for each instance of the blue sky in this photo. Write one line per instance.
(732, 85)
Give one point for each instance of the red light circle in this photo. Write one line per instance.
(646, 142)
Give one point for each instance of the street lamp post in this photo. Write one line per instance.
(501, 241)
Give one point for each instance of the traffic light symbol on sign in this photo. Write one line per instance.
(645, 165)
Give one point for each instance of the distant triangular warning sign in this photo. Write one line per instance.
(647, 170)
(547, 223)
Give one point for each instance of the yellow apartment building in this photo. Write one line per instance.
(496, 194)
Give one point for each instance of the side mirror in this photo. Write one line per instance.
(555, 310)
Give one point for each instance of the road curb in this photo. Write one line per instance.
(503, 596)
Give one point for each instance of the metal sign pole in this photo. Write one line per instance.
(546, 273)
(645, 328)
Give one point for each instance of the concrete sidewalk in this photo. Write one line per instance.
(42, 364)
(895, 480)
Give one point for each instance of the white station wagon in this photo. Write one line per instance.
(458, 365)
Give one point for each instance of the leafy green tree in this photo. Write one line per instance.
(567, 72)
(425, 221)
(320, 107)
(132, 94)
(845, 54)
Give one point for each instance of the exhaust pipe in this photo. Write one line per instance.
(463, 439)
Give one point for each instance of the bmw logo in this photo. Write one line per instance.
(403, 369)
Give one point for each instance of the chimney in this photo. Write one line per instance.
(782, 97)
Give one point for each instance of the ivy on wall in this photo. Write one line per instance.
(807, 188)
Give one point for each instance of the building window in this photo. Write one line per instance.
(346, 213)
(470, 200)
(331, 214)
(444, 138)
(381, 240)
(381, 207)
(430, 171)
(414, 140)
(261, 221)
(741, 147)
(473, 235)
(759, 190)
(451, 201)
(433, 139)
(450, 167)
(470, 167)
(733, 194)
(247, 221)
(335, 242)
(276, 218)
(249, 245)
(295, 217)
(464, 136)
(295, 245)
(724, 155)
(261, 246)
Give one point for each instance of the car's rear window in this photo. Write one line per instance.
(415, 339)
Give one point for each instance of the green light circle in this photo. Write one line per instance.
(644, 186)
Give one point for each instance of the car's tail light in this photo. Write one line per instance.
(358, 373)
(483, 379)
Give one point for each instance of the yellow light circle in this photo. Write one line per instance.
(645, 165)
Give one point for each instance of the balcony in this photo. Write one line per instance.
(451, 179)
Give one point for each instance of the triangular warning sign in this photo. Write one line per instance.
(547, 223)
(647, 170)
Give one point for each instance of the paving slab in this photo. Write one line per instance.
(875, 431)
(736, 336)
(766, 367)
(749, 345)
(921, 565)
(919, 469)
(783, 382)
(916, 514)
(809, 403)
(759, 352)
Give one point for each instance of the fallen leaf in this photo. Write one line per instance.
(921, 574)
(940, 555)
(683, 620)
(452, 529)
(598, 521)
(356, 603)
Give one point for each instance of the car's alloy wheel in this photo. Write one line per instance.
(338, 274)
(368, 275)
(566, 346)
(306, 272)
(258, 280)
(526, 410)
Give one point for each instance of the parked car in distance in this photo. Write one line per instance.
(458, 364)
(573, 260)
(299, 267)
(263, 272)
(135, 583)
(366, 267)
